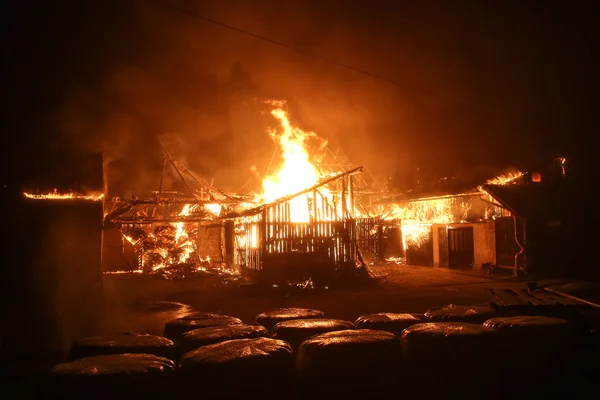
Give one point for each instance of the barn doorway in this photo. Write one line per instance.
(461, 251)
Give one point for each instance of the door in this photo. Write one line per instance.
(443, 246)
(461, 252)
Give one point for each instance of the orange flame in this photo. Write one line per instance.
(297, 171)
(64, 196)
(418, 216)
(505, 179)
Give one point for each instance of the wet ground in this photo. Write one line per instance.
(398, 288)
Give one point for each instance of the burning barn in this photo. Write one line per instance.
(172, 234)
(509, 221)
(456, 230)
(307, 221)
(303, 235)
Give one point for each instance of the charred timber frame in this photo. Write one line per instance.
(328, 232)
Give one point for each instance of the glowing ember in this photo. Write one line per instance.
(505, 179)
(135, 271)
(296, 172)
(65, 196)
(396, 260)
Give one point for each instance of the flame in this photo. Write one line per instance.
(296, 172)
(134, 271)
(64, 196)
(505, 179)
(396, 260)
(214, 208)
(417, 217)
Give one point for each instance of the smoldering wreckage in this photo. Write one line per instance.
(318, 216)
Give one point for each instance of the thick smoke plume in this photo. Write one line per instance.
(201, 88)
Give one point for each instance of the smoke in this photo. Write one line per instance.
(201, 89)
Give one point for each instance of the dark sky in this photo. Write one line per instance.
(504, 83)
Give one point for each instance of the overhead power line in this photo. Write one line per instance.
(281, 44)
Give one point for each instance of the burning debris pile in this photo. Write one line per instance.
(172, 249)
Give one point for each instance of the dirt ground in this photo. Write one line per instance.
(398, 288)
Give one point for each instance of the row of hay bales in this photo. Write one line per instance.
(298, 352)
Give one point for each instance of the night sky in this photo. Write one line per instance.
(477, 83)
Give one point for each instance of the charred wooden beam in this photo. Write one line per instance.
(180, 168)
(256, 210)
(149, 221)
(182, 201)
(118, 210)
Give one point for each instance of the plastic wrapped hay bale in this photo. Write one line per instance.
(454, 313)
(390, 322)
(215, 334)
(534, 345)
(120, 376)
(270, 318)
(175, 328)
(259, 366)
(450, 351)
(138, 343)
(358, 361)
(295, 331)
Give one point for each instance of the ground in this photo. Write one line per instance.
(399, 288)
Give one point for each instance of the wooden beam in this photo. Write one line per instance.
(289, 197)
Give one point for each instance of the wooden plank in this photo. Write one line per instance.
(569, 300)
(533, 299)
(496, 298)
(513, 298)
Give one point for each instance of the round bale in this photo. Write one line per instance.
(455, 313)
(215, 334)
(270, 318)
(137, 343)
(115, 376)
(252, 367)
(390, 322)
(295, 331)
(177, 327)
(358, 361)
(448, 351)
(534, 345)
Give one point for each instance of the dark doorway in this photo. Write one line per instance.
(443, 246)
(461, 252)
(506, 246)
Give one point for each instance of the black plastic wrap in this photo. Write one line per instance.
(117, 376)
(358, 361)
(390, 322)
(215, 334)
(454, 313)
(174, 329)
(270, 318)
(449, 351)
(121, 343)
(295, 331)
(252, 367)
(534, 345)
